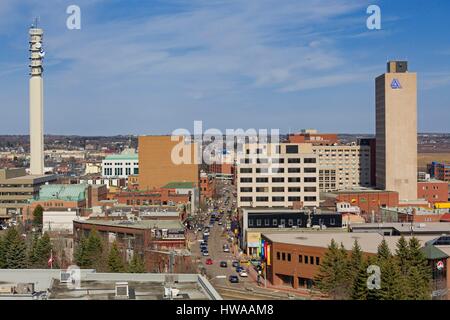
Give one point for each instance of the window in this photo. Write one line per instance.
(277, 170)
(310, 179)
(262, 170)
(250, 222)
(283, 222)
(278, 256)
(277, 180)
(246, 161)
(294, 160)
(262, 160)
(311, 260)
(306, 259)
(277, 160)
(299, 222)
(283, 256)
(274, 222)
(294, 199)
(310, 199)
(267, 222)
(310, 160)
(262, 189)
(310, 189)
(300, 259)
(246, 189)
(290, 222)
(262, 199)
(258, 222)
(310, 170)
(246, 170)
(292, 180)
(289, 257)
(246, 180)
(262, 180)
(292, 149)
(317, 261)
(246, 199)
(294, 189)
(294, 170)
(277, 199)
(332, 221)
(278, 189)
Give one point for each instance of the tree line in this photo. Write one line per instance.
(94, 253)
(404, 275)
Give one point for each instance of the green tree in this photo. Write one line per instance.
(42, 252)
(32, 262)
(402, 255)
(90, 252)
(359, 284)
(136, 265)
(16, 250)
(419, 272)
(332, 278)
(2, 253)
(38, 213)
(356, 260)
(115, 259)
(80, 254)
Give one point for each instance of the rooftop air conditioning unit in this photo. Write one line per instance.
(122, 290)
(65, 277)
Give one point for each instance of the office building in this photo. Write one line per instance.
(396, 131)
(120, 165)
(156, 166)
(343, 167)
(17, 189)
(277, 175)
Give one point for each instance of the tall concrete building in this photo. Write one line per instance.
(36, 102)
(396, 131)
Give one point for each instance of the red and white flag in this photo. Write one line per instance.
(50, 261)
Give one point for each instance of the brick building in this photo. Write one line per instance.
(433, 191)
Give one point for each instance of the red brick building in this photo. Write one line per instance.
(433, 191)
(207, 187)
(152, 197)
(318, 139)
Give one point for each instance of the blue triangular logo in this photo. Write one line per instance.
(396, 84)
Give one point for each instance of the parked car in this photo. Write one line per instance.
(239, 269)
(226, 248)
(233, 279)
(223, 264)
(235, 264)
(205, 253)
(209, 261)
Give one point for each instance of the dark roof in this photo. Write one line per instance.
(433, 253)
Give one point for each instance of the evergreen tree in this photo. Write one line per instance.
(356, 260)
(32, 262)
(136, 265)
(115, 260)
(16, 250)
(402, 255)
(333, 276)
(359, 286)
(43, 252)
(80, 254)
(419, 272)
(90, 254)
(392, 281)
(38, 213)
(2, 253)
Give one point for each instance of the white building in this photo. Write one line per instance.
(120, 165)
(277, 175)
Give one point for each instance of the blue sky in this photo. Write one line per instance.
(150, 67)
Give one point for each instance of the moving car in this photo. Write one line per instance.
(226, 248)
(209, 261)
(239, 269)
(223, 264)
(243, 274)
(235, 264)
(233, 279)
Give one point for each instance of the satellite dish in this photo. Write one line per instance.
(38, 45)
(42, 54)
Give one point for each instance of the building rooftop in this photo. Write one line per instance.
(131, 157)
(142, 224)
(429, 227)
(369, 242)
(179, 185)
(66, 192)
(102, 286)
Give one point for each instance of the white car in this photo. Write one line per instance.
(226, 249)
(243, 274)
(205, 253)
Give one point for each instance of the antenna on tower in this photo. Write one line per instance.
(36, 22)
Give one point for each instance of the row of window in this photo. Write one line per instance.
(277, 189)
(278, 199)
(278, 180)
(277, 160)
(283, 256)
(119, 171)
(278, 170)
